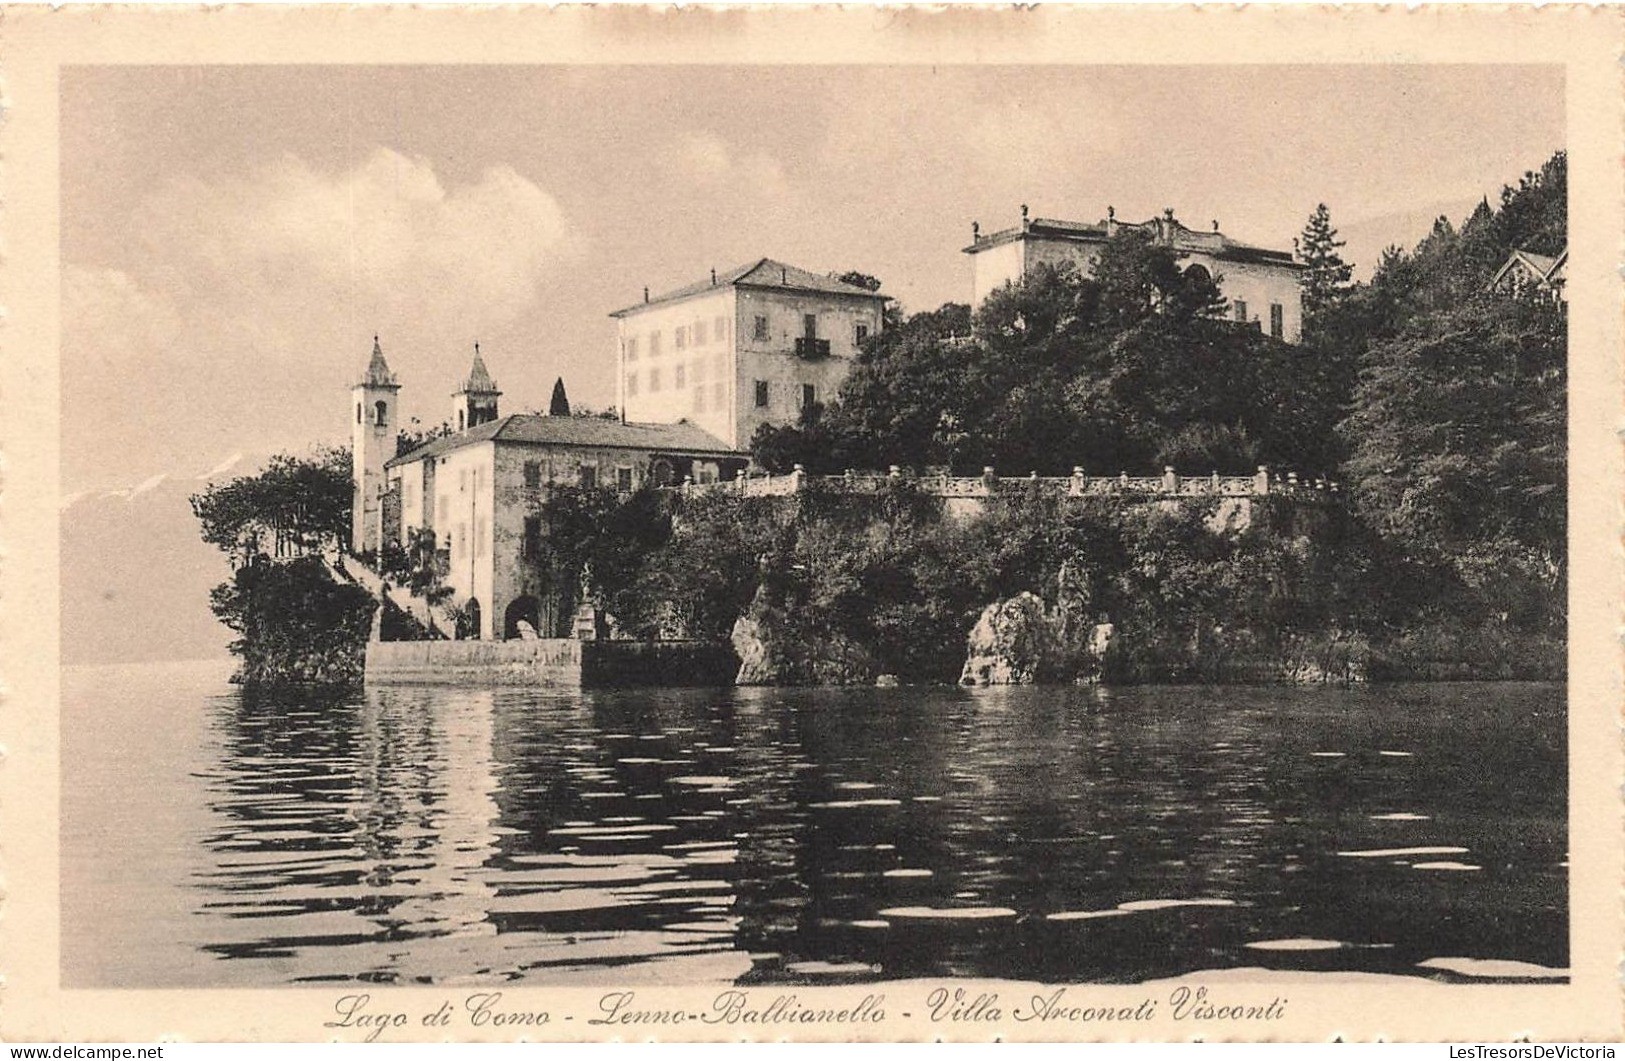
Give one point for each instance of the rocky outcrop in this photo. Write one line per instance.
(752, 644)
(775, 650)
(1010, 644)
(1021, 641)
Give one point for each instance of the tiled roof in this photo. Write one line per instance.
(530, 429)
(1547, 270)
(762, 273)
(1541, 262)
(378, 373)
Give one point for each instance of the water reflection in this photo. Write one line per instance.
(836, 836)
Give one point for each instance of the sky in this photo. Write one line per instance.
(234, 237)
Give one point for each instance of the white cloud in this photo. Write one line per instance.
(241, 301)
(707, 159)
(387, 232)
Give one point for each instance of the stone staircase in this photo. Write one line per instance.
(348, 568)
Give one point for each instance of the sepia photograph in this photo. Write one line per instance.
(1036, 548)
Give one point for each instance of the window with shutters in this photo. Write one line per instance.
(761, 394)
(1277, 320)
(759, 332)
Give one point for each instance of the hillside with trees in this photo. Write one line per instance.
(1439, 405)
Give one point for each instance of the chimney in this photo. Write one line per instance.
(784, 275)
(1024, 221)
(1215, 224)
(713, 278)
(976, 232)
(1111, 221)
(645, 292)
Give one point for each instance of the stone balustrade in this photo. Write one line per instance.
(1263, 483)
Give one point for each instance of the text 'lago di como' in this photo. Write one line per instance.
(375, 1019)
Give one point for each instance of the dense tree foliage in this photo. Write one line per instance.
(593, 536)
(1129, 368)
(297, 624)
(295, 506)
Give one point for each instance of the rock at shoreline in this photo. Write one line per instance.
(750, 644)
(1009, 644)
(774, 650)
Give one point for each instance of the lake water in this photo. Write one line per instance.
(822, 835)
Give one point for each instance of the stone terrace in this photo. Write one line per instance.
(1170, 484)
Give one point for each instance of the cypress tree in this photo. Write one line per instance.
(560, 405)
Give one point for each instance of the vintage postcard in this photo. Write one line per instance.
(825, 524)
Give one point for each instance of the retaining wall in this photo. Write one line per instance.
(550, 662)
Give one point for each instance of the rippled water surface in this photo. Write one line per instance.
(434, 835)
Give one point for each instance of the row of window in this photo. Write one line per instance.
(698, 334)
(764, 394)
(586, 474)
(1277, 317)
(681, 379)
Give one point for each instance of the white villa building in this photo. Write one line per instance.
(749, 346)
(1261, 284)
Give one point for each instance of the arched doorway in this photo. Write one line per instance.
(1199, 272)
(663, 472)
(469, 625)
(523, 609)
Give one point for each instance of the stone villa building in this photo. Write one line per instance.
(480, 489)
(1261, 284)
(749, 346)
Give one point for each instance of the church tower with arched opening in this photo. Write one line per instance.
(372, 443)
(476, 402)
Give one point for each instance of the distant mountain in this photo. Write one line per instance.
(1368, 237)
(136, 576)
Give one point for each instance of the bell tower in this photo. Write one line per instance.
(476, 402)
(372, 442)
